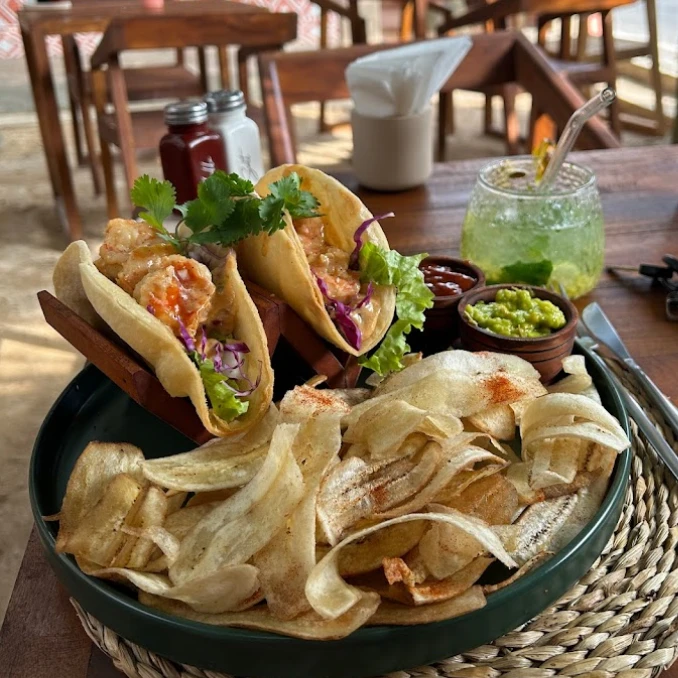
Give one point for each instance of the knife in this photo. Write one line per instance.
(599, 325)
(666, 453)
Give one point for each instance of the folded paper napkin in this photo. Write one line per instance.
(401, 81)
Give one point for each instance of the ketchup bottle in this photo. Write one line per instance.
(189, 152)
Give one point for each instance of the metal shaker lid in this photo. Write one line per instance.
(188, 112)
(225, 100)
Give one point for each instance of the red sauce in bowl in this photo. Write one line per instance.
(444, 282)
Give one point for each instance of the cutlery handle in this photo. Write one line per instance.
(666, 453)
(655, 395)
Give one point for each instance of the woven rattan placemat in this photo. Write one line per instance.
(620, 620)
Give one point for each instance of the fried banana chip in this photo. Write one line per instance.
(243, 524)
(308, 626)
(330, 596)
(225, 590)
(395, 614)
(98, 464)
(286, 562)
(98, 536)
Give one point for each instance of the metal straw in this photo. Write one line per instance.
(574, 126)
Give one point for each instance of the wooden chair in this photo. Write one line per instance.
(252, 32)
(152, 82)
(632, 116)
(498, 12)
(289, 78)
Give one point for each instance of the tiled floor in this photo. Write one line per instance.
(35, 363)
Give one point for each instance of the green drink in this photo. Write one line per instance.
(517, 235)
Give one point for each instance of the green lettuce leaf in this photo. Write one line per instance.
(388, 267)
(223, 400)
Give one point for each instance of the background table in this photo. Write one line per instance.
(41, 636)
(39, 22)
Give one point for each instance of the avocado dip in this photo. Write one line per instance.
(516, 313)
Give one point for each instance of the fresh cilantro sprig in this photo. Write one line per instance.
(388, 267)
(158, 199)
(225, 211)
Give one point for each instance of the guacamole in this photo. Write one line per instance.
(516, 313)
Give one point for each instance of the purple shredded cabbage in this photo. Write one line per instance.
(228, 359)
(186, 337)
(354, 261)
(150, 309)
(367, 297)
(341, 314)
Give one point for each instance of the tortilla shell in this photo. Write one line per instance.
(80, 285)
(278, 263)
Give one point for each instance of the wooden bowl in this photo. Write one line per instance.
(545, 353)
(441, 327)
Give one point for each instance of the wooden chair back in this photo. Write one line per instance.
(289, 78)
(251, 29)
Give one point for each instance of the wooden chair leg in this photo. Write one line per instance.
(71, 66)
(123, 121)
(99, 95)
(583, 36)
(224, 67)
(566, 38)
(322, 122)
(610, 61)
(202, 61)
(655, 74)
(85, 110)
(542, 30)
(444, 106)
(487, 121)
(511, 126)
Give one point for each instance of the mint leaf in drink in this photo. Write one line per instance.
(535, 273)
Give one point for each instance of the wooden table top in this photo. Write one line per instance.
(94, 16)
(41, 636)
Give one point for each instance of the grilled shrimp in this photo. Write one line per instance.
(142, 261)
(178, 292)
(120, 238)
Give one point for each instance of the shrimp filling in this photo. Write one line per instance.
(340, 285)
(180, 292)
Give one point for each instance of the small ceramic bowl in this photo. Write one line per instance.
(441, 327)
(545, 353)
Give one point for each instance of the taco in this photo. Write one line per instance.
(195, 325)
(313, 264)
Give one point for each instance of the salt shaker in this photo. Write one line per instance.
(240, 134)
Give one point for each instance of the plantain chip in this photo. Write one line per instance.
(395, 614)
(287, 560)
(150, 510)
(367, 554)
(330, 596)
(455, 460)
(98, 536)
(498, 421)
(227, 589)
(578, 379)
(355, 489)
(492, 499)
(209, 468)
(404, 420)
(308, 626)
(98, 464)
(304, 401)
(435, 591)
(244, 523)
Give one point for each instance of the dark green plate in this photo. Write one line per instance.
(92, 408)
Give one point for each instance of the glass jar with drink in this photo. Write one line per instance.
(517, 234)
